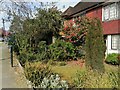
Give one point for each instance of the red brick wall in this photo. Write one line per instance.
(109, 27)
(95, 13)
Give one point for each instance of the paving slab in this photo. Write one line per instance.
(9, 78)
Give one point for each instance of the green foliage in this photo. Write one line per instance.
(35, 72)
(85, 79)
(61, 50)
(51, 62)
(53, 82)
(112, 59)
(80, 52)
(41, 76)
(95, 47)
(22, 58)
(11, 42)
(31, 57)
(43, 53)
(114, 79)
(80, 79)
(28, 33)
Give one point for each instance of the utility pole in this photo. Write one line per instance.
(3, 29)
(3, 21)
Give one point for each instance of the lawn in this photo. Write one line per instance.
(68, 72)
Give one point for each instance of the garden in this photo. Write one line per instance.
(76, 60)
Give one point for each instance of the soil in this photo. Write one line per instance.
(79, 62)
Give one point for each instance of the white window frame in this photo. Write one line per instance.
(111, 10)
(115, 44)
(106, 11)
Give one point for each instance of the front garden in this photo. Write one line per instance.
(75, 60)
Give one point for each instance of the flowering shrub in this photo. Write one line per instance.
(75, 31)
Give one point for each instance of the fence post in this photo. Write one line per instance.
(11, 55)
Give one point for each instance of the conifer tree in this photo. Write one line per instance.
(95, 46)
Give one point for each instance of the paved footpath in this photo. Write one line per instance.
(9, 78)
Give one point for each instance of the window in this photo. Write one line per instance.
(106, 13)
(115, 41)
(110, 12)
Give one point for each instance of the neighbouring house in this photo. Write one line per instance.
(3, 34)
(109, 14)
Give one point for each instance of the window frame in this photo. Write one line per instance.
(106, 7)
(109, 12)
(117, 42)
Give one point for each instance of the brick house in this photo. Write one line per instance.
(3, 34)
(107, 12)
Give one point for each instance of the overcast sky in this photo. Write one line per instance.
(60, 5)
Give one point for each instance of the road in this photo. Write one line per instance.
(8, 75)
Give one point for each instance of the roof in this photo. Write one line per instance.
(82, 6)
(68, 11)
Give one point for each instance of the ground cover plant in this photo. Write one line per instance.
(112, 59)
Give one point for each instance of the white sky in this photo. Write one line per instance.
(60, 5)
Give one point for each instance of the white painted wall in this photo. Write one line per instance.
(108, 46)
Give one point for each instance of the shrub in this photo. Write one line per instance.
(43, 53)
(112, 59)
(61, 50)
(31, 57)
(80, 52)
(53, 82)
(35, 72)
(22, 58)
